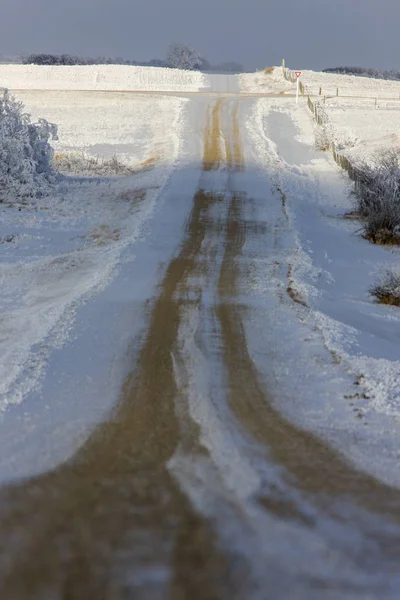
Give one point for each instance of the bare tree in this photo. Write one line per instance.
(180, 56)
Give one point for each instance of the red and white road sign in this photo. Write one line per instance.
(298, 73)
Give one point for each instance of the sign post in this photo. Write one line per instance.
(298, 73)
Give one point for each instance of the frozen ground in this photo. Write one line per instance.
(59, 253)
(349, 85)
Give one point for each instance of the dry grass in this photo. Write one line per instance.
(387, 289)
(76, 163)
(268, 70)
(293, 293)
(383, 237)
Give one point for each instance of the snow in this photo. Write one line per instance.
(65, 248)
(335, 361)
(99, 78)
(268, 82)
(341, 351)
(349, 85)
(360, 128)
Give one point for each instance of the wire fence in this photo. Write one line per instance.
(341, 160)
(321, 119)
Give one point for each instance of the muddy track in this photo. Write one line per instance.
(113, 523)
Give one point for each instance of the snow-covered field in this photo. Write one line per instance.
(349, 85)
(100, 77)
(360, 127)
(267, 82)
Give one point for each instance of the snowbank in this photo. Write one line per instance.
(100, 77)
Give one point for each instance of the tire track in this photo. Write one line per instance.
(320, 472)
(115, 504)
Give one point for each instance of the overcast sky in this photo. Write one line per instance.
(308, 33)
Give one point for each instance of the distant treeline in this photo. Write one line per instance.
(68, 60)
(364, 72)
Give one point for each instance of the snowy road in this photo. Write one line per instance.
(195, 485)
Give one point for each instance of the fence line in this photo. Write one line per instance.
(290, 75)
(321, 120)
(339, 159)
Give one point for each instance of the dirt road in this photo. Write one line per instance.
(196, 487)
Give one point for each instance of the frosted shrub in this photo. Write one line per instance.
(25, 152)
(322, 138)
(387, 290)
(377, 196)
(180, 56)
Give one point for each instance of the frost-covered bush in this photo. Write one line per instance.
(377, 194)
(387, 289)
(180, 56)
(322, 138)
(25, 152)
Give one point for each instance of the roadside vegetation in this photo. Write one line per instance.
(387, 289)
(377, 196)
(25, 153)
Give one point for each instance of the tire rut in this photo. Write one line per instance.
(115, 504)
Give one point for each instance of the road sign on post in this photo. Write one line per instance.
(298, 73)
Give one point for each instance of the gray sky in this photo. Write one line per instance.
(309, 33)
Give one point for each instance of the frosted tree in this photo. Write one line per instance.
(25, 152)
(180, 56)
